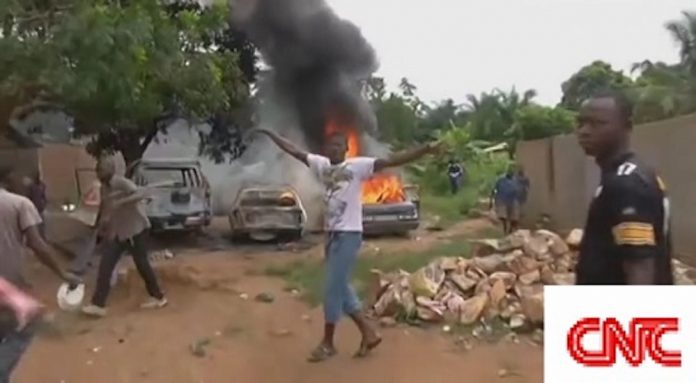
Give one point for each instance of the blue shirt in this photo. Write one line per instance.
(506, 190)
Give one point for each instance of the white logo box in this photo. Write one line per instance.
(564, 306)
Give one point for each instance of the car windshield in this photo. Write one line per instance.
(181, 177)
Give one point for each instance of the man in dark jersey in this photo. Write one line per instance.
(627, 237)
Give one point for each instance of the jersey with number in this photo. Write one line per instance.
(628, 218)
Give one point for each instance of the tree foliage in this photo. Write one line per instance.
(536, 121)
(591, 79)
(121, 70)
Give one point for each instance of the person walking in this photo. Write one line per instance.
(19, 224)
(505, 198)
(627, 237)
(455, 173)
(342, 178)
(123, 224)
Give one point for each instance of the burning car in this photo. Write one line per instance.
(389, 207)
(264, 214)
(395, 213)
(179, 193)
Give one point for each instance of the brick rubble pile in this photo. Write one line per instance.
(503, 280)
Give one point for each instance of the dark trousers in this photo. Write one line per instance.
(454, 184)
(12, 346)
(109, 259)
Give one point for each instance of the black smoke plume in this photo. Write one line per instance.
(317, 61)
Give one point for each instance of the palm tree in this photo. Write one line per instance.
(684, 33)
(663, 91)
(492, 115)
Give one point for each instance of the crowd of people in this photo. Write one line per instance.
(627, 235)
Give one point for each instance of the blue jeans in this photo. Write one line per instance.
(342, 249)
(12, 347)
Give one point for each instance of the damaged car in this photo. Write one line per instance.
(267, 214)
(179, 193)
(396, 216)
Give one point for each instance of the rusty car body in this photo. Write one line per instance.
(268, 213)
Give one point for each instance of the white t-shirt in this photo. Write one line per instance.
(343, 189)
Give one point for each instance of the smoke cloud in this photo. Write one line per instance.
(317, 61)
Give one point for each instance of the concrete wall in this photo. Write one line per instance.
(58, 163)
(564, 180)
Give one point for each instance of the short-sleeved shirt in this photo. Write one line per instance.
(128, 220)
(628, 218)
(506, 190)
(343, 189)
(454, 170)
(17, 214)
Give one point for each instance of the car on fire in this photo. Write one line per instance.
(393, 216)
(267, 214)
(179, 196)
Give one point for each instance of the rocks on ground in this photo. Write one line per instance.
(504, 280)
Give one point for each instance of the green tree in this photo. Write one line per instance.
(398, 121)
(441, 117)
(590, 79)
(684, 33)
(662, 91)
(536, 121)
(122, 70)
(492, 115)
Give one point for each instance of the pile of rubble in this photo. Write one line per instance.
(503, 280)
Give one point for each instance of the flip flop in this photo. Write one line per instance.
(366, 348)
(321, 353)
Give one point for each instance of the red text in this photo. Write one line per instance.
(644, 337)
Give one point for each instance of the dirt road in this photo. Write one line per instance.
(246, 341)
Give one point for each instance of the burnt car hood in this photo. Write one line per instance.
(391, 208)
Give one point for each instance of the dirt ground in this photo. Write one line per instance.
(241, 340)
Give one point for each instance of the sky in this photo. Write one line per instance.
(452, 48)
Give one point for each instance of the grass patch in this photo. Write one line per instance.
(450, 208)
(307, 276)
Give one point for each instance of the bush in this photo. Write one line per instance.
(436, 197)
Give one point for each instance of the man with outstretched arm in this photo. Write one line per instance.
(627, 237)
(342, 178)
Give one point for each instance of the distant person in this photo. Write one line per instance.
(19, 224)
(455, 173)
(123, 224)
(505, 198)
(37, 195)
(523, 184)
(342, 178)
(627, 237)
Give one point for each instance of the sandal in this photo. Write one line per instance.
(321, 353)
(366, 348)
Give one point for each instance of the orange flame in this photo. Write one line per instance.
(381, 188)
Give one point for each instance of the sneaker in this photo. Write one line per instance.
(154, 303)
(94, 311)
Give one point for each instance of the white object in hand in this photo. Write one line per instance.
(70, 299)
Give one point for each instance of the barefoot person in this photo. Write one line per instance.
(123, 224)
(19, 224)
(627, 237)
(342, 177)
